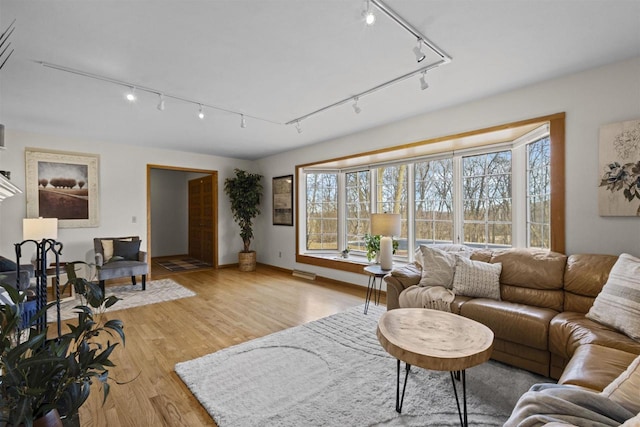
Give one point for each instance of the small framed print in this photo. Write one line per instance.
(283, 200)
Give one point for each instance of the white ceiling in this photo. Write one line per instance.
(281, 59)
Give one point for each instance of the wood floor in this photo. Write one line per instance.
(230, 307)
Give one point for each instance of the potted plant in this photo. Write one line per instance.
(372, 244)
(245, 191)
(51, 378)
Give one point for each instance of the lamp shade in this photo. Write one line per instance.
(39, 228)
(385, 224)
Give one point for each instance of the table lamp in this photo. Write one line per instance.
(386, 226)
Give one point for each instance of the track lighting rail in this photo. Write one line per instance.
(150, 90)
(444, 59)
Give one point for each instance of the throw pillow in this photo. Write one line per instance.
(437, 267)
(126, 250)
(7, 265)
(625, 389)
(618, 303)
(477, 279)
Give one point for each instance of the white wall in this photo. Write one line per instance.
(169, 212)
(590, 99)
(123, 192)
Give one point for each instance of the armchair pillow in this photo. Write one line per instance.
(477, 279)
(126, 250)
(618, 304)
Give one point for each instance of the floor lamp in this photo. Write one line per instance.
(42, 232)
(386, 226)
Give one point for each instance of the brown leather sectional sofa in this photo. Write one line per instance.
(539, 323)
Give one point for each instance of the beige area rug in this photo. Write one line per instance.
(131, 296)
(334, 372)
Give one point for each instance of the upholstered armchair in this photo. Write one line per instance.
(118, 257)
(9, 274)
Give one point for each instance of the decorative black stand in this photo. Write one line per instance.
(43, 247)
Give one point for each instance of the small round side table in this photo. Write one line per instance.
(376, 273)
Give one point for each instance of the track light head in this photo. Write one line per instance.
(298, 128)
(423, 82)
(243, 122)
(131, 95)
(356, 108)
(418, 52)
(160, 102)
(200, 113)
(369, 16)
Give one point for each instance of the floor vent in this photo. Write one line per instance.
(304, 274)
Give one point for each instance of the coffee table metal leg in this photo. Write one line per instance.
(400, 400)
(463, 418)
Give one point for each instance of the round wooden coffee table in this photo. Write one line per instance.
(434, 340)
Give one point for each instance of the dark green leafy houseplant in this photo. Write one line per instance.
(40, 374)
(372, 243)
(244, 191)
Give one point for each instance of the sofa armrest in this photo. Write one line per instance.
(142, 256)
(400, 279)
(99, 259)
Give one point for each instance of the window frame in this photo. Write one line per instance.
(362, 161)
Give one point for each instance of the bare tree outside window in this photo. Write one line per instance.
(487, 200)
(539, 193)
(358, 203)
(322, 210)
(391, 191)
(434, 201)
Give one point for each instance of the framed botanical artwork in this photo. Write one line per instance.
(62, 185)
(619, 154)
(283, 200)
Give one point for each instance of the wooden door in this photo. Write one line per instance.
(201, 219)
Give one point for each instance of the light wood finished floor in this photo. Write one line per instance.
(230, 307)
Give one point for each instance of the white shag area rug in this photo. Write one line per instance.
(333, 372)
(131, 296)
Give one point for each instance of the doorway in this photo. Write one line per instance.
(176, 224)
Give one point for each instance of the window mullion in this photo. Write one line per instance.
(411, 201)
(342, 207)
(458, 214)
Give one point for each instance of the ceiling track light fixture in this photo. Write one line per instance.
(423, 81)
(160, 102)
(298, 128)
(356, 108)
(418, 52)
(423, 41)
(201, 113)
(131, 95)
(243, 121)
(369, 16)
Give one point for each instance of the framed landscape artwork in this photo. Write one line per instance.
(283, 200)
(619, 153)
(62, 185)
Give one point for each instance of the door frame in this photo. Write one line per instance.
(214, 175)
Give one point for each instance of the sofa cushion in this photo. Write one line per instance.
(584, 277)
(7, 265)
(531, 277)
(570, 330)
(625, 390)
(437, 267)
(618, 304)
(585, 369)
(476, 279)
(407, 275)
(513, 322)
